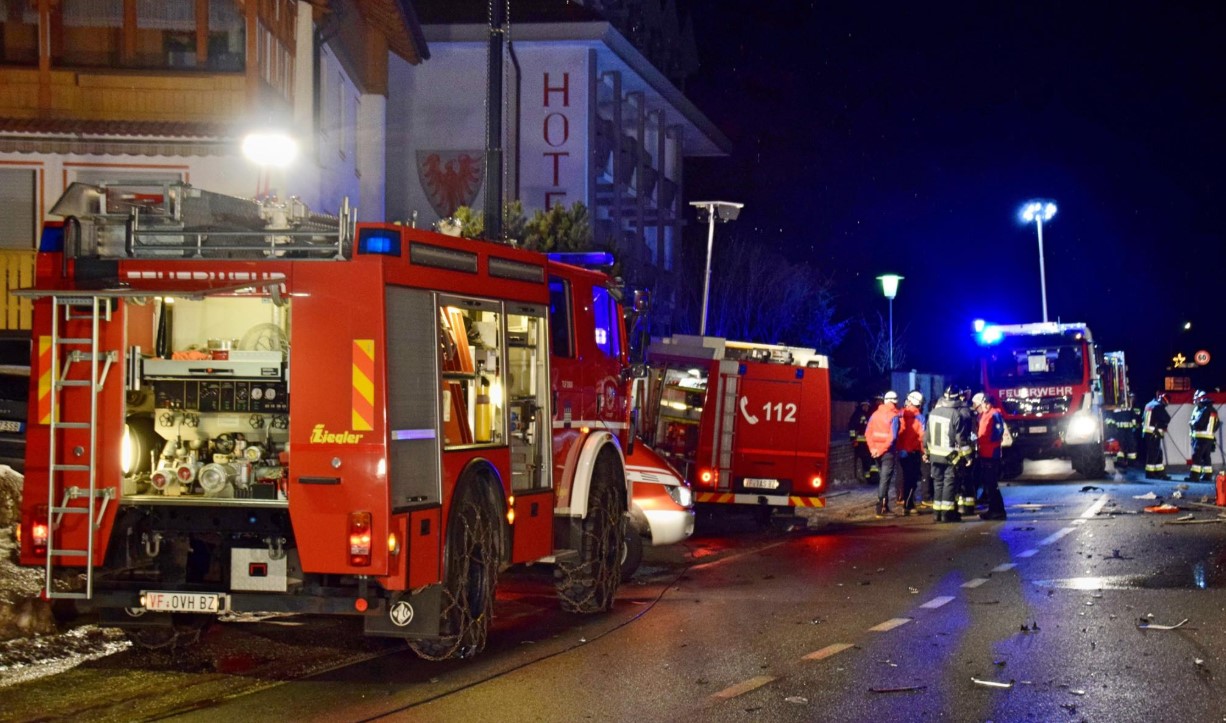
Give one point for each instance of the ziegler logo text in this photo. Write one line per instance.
(319, 435)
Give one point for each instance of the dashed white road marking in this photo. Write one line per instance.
(743, 687)
(975, 583)
(1029, 553)
(1053, 537)
(889, 625)
(937, 602)
(1093, 510)
(828, 651)
(1004, 567)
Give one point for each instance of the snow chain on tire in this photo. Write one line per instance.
(589, 585)
(471, 630)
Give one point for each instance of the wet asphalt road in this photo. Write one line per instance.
(852, 619)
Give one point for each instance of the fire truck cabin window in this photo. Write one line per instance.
(471, 344)
(607, 318)
(1030, 365)
(559, 319)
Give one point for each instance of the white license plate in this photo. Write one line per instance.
(7, 425)
(759, 483)
(183, 602)
(1038, 430)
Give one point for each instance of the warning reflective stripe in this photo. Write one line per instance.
(45, 376)
(363, 385)
(730, 498)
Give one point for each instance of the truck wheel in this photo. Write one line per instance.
(632, 552)
(1089, 462)
(471, 572)
(588, 584)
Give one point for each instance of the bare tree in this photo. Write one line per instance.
(877, 343)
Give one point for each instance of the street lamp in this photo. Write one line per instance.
(268, 148)
(1038, 212)
(723, 211)
(889, 286)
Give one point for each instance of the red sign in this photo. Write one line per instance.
(1201, 357)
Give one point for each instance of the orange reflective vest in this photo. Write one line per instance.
(882, 429)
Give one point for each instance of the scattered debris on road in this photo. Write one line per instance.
(1091, 488)
(1144, 624)
(1146, 496)
(1165, 508)
(992, 683)
(903, 689)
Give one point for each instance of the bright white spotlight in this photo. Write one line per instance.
(270, 148)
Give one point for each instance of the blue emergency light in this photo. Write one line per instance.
(383, 241)
(586, 259)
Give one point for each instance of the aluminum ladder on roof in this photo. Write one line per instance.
(97, 311)
(729, 387)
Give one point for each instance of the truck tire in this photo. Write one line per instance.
(588, 584)
(632, 551)
(470, 574)
(1089, 462)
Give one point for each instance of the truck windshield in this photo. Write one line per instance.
(1029, 365)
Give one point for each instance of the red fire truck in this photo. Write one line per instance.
(1046, 376)
(462, 406)
(747, 424)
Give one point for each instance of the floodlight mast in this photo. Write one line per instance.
(725, 211)
(1038, 212)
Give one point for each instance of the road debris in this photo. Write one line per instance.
(1165, 508)
(1189, 521)
(1146, 496)
(1091, 488)
(797, 699)
(1185, 518)
(992, 683)
(903, 689)
(1146, 625)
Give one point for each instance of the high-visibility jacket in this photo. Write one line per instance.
(948, 434)
(1156, 419)
(1204, 421)
(856, 425)
(882, 429)
(911, 430)
(991, 431)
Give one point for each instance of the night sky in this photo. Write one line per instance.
(872, 138)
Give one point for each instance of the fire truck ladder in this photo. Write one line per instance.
(97, 310)
(731, 384)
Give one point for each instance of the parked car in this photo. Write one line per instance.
(661, 509)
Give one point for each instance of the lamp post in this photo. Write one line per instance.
(715, 210)
(1038, 212)
(889, 286)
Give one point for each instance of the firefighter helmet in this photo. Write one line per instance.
(952, 392)
(915, 399)
(1200, 397)
(978, 399)
(891, 397)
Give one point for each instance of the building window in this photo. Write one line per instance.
(18, 33)
(608, 323)
(18, 196)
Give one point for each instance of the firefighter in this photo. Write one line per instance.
(882, 437)
(1123, 422)
(866, 468)
(947, 438)
(965, 478)
(1203, 427)
(911, 449)
(1154, 422)
(991, 430)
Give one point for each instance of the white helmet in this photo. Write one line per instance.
(915, 399)
(890, 397)
(978, 399)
